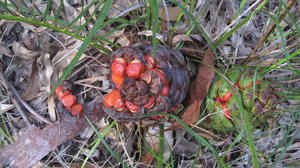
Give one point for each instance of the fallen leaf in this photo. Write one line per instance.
(179, 38)
(36, 143)
(173, 13)
(152, 139)
(121, 6)
(33, 87)
(201, 85)
(123, 41)
(22, 52)
(5, 107)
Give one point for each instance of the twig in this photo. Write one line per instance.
(12, 97)
(236, 21)
(12, 92)
(271, 29)
(30, 109)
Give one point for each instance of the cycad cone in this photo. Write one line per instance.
(257, 100)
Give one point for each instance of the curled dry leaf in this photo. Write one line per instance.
(152, 139)
(173, 13)
(5, 107)
(180, 38)
(199, 90)
(22, 52)
(33, 87)
(36, 143)
(120, 6)
(40, 78)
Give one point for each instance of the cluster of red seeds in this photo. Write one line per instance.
(122, 68)
(69, 101)
(223, 100)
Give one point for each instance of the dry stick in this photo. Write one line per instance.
(81, 68)
(236, 21)
(10, 88)
(30, 109)
(271, 29)
(12, 97)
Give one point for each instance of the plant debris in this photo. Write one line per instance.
(146, 83)
(199, 90)
(36, 143)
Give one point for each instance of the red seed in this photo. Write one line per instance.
(69, 100)
(150, 103)
(76, 109)
(118, 81)
(60, 92)
(226, 111)
(118, 67)
(132, 107)
(119, 104)
(156, 117)
(251, 84)
(110, 98)
(135, 68)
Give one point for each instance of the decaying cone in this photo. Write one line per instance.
(257, 97)
(145, 83)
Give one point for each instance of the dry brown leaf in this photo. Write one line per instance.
(180, 37)
(21, 51)
(36, 143)
(5, 107)
(201, 85)
(152, 138)
(45, 73)
(123, 41)
(33, 87)
(120, 6)
(173, 13)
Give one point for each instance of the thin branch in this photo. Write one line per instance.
(29, 108)
(12, 97)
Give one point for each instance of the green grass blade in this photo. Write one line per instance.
(247, 127)
(53, 27)
(283, 60)
(97, 141)
(199, 28)
(115, 156)
(82, 12)
(47, 10)
(154, 18)
(240, 9)
(239, 25)
(292, 139)
(200, 139)
(86, 42)
(161, 146)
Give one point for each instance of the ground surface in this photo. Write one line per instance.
(36, 52)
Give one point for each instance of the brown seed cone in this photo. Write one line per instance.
(170, 70)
